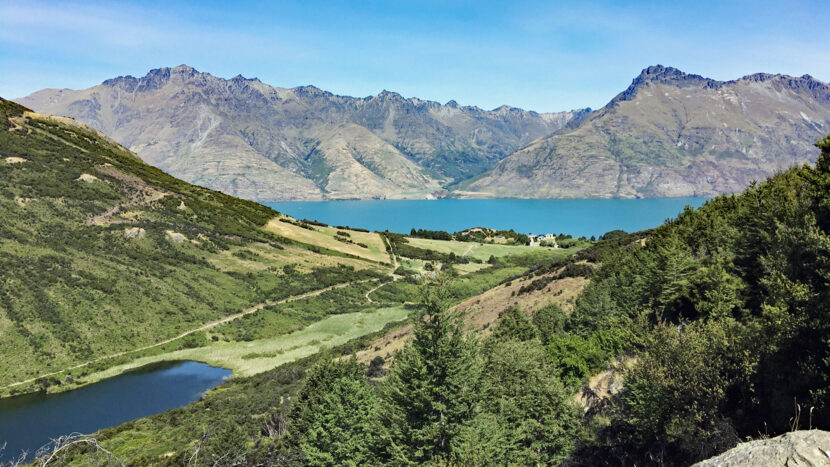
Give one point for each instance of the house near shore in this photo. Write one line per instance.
(538, 239)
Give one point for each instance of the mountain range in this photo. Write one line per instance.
(256, 141)
(668, 134)
(671, 134)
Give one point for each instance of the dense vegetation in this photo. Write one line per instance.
(401, 248)
(310, 412)
(478, 234)
(449, 398)
(101, 253)
(721, 316)
(725, 310)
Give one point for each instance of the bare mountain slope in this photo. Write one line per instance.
(249, 139)
(672, 134)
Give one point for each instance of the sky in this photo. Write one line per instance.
(543, 56)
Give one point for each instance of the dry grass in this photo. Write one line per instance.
(267, 256)
(483, 310)
(324, 237)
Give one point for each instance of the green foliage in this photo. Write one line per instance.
(430, 391)
(736, 295)
(226, 445)
(574, 357)
(513, 324)
(549, 321)
(402, 248)
(531, 406)
(612, 235)
(433, 234)
(76, 286)
(672, 409)
(331, 419)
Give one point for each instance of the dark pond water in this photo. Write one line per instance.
(28, 422)
(538, 216)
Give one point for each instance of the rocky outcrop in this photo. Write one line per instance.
(135, 233)
(799, 448)
(256, 141)
(671, 134)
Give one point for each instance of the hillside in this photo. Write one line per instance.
(680, 343)
(102, 253)
(255, 141)
(724, 310)
(662, 347)
(671, 134)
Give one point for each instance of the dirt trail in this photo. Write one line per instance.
(391, 273)
(379, 286)
(204, 327)
(105, 218)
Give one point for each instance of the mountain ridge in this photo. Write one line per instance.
(253, 140)
(670, 134)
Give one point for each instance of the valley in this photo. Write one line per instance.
(319, 234)
(129, 251)
(111, 266)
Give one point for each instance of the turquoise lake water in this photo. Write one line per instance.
(577, 217)
(30, 421)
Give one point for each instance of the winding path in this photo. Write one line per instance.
(204, 327)
(224, 320)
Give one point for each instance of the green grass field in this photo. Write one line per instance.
(483, 251)
(250, 358)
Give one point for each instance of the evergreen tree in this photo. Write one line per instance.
(319, 383)
(535, 412)
(549, 321)
(431, 389)
(340, 429)
(514, 325)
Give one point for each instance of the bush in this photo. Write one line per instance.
(575, 358)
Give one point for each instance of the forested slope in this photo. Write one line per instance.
(725, 312)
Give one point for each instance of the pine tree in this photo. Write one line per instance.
(549, 321)
(533, 409)
(331, 419)
(513, 324)
(339, 432)
(431, 389)
(320, 381)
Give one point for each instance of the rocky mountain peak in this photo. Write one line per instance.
(310, 91)
(663, 75)
(389, 96)
(183, 69)
(505, 109)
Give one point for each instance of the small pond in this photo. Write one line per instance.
(28, 422)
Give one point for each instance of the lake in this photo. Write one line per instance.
(577, 217)
(28, 422)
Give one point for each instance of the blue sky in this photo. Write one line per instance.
(545, 56)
